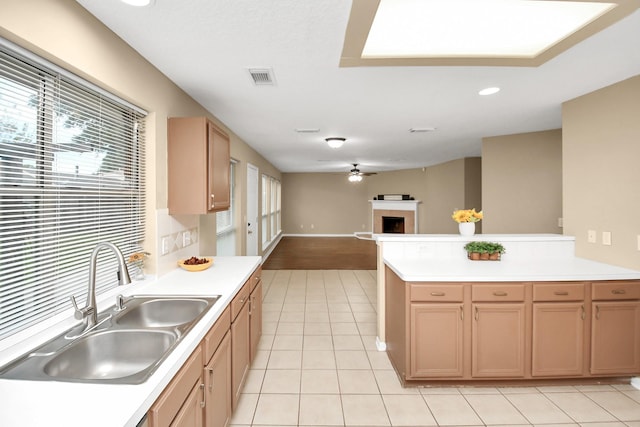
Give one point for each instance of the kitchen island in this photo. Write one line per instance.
(538, 314)
(53, 403)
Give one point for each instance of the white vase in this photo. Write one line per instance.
(467, 228)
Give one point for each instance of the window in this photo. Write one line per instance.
(226, 229)
(71, 175)
(270, 209)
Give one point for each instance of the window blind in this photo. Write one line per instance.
(71, 175)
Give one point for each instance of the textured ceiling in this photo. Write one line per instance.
(207, 46)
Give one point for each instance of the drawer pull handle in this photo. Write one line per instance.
(618, 292)
(561, 293)
(582, 316)
(203, 403)
(210, 379)
(476, 315)
(461, 313)
(500, 293)
(437, 294)
(597, 312)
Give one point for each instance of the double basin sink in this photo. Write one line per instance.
(129, 342)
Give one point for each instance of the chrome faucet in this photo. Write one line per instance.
(89, 314)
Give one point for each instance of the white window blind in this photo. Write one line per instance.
(71, 175)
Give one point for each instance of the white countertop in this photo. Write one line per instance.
(52, 403)
(545, 269)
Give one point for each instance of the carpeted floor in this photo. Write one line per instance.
(322, 253)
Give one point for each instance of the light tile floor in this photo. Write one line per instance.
(318, 366)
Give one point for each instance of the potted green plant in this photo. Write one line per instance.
(484, 250)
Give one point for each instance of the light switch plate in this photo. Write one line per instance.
(606, 238)
(166, 245)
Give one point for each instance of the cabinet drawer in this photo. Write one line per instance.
(255, 278)
(619, 290)
(170, 401)
(558, 291)
(215, 335)
(239, 300)
(437, 292)
(497, 292)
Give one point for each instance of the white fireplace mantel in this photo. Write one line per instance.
(394, 205)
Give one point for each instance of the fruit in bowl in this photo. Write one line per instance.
(195, 263)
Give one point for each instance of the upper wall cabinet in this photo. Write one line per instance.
(198, 166)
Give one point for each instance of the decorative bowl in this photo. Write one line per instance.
(196, 267)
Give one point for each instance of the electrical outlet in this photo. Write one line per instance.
(591, 236)
(313, 226)
(301, 226)
(606, 238)
(560, 222)
(166, 245)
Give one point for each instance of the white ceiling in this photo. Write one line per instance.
(206, 47)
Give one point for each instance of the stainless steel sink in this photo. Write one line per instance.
(161, 312)
(127, 345)
(111, 354)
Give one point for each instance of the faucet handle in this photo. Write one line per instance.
(80, 313)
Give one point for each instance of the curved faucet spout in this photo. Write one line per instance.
(90, 312)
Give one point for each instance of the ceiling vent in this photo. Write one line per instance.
(262, 76)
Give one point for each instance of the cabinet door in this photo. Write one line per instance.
(217, 382)
(190, 415)
(498, 340)
(219, 169)
(558, 339)
(239, 352)
(615, 337)
(436, 342)
(255, 315)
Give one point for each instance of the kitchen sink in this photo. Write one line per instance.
(129, 342)
(161, 312)
(111, 354)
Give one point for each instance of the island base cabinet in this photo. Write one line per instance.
(498, 340)
(436, 340)
(190, 415)
(615, 337)
(558, 339)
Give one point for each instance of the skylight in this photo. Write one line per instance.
(468, 32)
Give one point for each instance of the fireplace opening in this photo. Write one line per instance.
(393, 224)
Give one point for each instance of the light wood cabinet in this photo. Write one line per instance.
(498, 340)
(217, 372)
(240, 344)
(558, 336)
(436, 338)
(181, 402)
(615, 328)
(255, 319)
(615, 337)
(217, 386)
(198, 166)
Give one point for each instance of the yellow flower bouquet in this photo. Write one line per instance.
(466, 215)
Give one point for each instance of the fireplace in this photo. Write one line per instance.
(397, 217)
(393, 224)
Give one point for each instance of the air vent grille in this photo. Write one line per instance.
(262, 76)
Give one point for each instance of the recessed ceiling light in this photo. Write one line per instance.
(489, 91)
(138, 3)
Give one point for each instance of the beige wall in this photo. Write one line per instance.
(83, 45)
(522, 182)
(601, 146)
(336, 206)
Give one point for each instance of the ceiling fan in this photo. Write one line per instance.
(355, 175)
